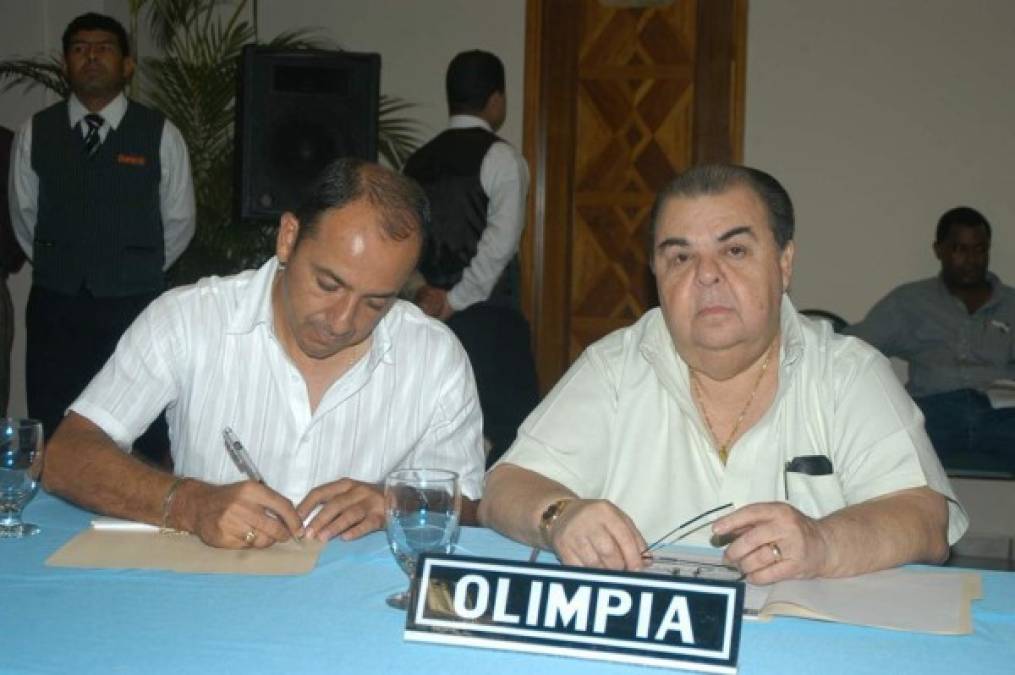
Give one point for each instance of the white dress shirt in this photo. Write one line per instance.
(209, 352)
(176, 188)
(505, 180)
(622, 425)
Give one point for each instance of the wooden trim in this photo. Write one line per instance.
(718, 93)
(739, 84)
(531, 247)
(549, 142)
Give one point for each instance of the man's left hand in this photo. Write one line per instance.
(349, 509)
(773, 541)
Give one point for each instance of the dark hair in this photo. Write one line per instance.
(93, 21)
(960, 215)
(403, 205)
(713, 179)
(472, 78)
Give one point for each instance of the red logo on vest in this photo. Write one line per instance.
(133, 160)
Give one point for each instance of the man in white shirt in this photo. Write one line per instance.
(328, 379)
(102, 202)
(477, 185)
(726, 395)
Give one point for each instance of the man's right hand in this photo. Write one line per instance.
(595, 533)
(225, 515)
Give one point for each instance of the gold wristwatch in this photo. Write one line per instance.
(550, 516)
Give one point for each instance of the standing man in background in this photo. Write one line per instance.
(11, 260)
(102, 202)
(477, 185)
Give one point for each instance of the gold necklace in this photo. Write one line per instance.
(724, 448)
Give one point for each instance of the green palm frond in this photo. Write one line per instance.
(44, 71)
(397, 136)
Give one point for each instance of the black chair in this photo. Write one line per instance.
(838, 323)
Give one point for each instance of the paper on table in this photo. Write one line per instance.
(114, 544)
(1002, 393)
(110, 523)
(900, 599)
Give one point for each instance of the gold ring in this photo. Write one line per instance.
(249, 538)
(776, 552)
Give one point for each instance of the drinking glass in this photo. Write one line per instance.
(422, 507)
(20, 471)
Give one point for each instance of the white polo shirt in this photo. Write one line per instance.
(210, 354)
(622, 425)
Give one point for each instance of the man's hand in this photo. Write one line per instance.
(773, 541)
(434, 302)
(349, 509)
(595, 533)
(225, 515)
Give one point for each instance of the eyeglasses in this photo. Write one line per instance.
(666, 538)
(690, 565)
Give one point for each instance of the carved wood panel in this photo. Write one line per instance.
(620, 97)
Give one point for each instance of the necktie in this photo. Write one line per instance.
(95, 123)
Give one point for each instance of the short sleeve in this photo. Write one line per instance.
(882, 445)
(567, 437)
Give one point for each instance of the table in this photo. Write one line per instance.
(334, 620)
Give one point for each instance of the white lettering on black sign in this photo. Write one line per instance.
(642, 618)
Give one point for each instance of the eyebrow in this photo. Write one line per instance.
(380, 295)
(725, 236)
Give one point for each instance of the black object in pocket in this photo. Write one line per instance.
(811, 465)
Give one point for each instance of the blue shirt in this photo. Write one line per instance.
(947, 348)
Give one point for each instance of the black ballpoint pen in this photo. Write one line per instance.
(243, 462)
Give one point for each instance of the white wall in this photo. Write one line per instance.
(879, 115)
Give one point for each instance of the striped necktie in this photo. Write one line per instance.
(95, 123)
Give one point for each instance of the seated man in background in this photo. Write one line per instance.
(329, 379)
(955, 331)
(727, 395)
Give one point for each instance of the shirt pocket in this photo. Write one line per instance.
(814, 496)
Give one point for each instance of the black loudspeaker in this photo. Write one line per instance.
(296, 111)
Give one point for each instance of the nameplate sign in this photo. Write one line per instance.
(631, 617)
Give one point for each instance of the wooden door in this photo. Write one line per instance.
(620, 95)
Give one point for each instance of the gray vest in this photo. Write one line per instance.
(99, 221)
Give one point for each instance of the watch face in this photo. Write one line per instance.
(552, 511)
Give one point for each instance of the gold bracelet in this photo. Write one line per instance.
(167, 501)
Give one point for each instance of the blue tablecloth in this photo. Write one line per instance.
(334, 620)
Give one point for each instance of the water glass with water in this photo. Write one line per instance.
(20, 472)
(422, 509)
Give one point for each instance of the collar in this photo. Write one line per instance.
(254, 309)
(254, 305)
(113, 112)
(792, 341)
(995, 292)
(467, 122)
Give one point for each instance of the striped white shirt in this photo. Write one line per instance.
(210, 354)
